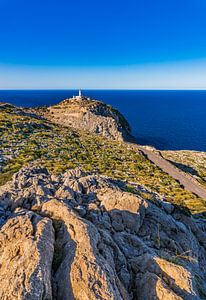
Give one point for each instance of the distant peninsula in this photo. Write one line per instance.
(81, 112)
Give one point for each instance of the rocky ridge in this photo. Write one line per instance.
(83, 236)
(97, 117)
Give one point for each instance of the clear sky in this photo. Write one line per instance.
(134, 44)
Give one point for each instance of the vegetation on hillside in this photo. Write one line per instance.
(25, 138)
(191, 162)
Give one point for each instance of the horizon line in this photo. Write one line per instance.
(106, 89)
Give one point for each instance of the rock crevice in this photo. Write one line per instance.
(82, 236)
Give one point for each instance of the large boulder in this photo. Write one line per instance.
(83, 273)
(26, 254)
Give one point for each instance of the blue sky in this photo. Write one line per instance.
(103, 44)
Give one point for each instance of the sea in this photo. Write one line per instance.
(167, 120)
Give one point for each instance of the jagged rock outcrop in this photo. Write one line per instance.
(81, 236)
(26, 254)
(91, 115)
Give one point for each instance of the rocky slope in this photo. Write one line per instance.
(81, 236)
(26, 137)
(91, 115)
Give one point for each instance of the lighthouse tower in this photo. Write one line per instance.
(80, 96)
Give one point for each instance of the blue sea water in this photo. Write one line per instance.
(165, 119)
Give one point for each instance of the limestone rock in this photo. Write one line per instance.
(91, 115)
(81, 236)
(83, 273)
(26, 252)
(152, 287)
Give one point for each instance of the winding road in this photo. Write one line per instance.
(187, 181)
(189, 184)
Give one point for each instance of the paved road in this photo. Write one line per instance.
(189, 184)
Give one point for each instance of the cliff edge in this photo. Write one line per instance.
(97, 117)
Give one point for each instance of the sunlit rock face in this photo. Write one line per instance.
(91, 115)
(83, 236)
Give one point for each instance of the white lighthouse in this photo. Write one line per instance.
(80, 96)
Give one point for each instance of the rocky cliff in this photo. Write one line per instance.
(91, 115)
(82, 236)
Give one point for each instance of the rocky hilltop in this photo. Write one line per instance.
(82, 236)
(97, 117)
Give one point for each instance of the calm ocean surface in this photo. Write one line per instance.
(165, 119)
